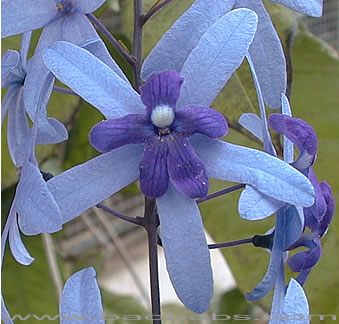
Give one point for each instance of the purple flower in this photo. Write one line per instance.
(206, 69)
(164, 129)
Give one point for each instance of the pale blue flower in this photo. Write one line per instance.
(205, 71)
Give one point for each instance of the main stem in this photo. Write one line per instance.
(137, 42)
(151, 223)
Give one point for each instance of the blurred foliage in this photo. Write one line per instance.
(314, 98)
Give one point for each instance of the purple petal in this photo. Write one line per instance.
(297, 131)
(330, 204)
(161, 89)
(303, 275)
(189, 34)
(267, 54)
(24, 47)
(186, 252)
(312, 8)
(206, 121)
(87, 6)
(306, 260)
(218, 54)
(275, 261)
(113, 133)
(81, 299)
(85, 185)
(186, 170)
(295, 305)
(153, 168)
(8, 101)
(24, 15)
(37, 209)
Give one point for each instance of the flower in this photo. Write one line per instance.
(164, 129)
(60, 20)
(290, 220)
(13, 78)
(205, 71)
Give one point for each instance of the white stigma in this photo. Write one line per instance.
(162, 116)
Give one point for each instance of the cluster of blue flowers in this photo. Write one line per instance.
(166, 135)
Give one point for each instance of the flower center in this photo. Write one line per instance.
(64, 7)
(162, 116)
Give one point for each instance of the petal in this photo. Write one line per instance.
(24, 15)
(268, 146)
(330, 204)
(218, 54)
(24, 47)
(153, 168)
(8, 101)
(51, 131)
(186, 252)
(306, 259)
(92, 80)
(253, 124)
(295, 304)
(77, 29)
(279, 293)
(267, 55)
(87, 6)
(161, 89)
(275, 261)
(183, 36)
(312, 8)
(288, 145)
(85, 185)
(266, 173)
(113, 133)
(16, 245)
(81, 299)
(10, 63)
(293, 225)
(297, 131)
(254, 205)
(203, 120)
(37, 209)
(186, 170)
(5, 316)
(17, 130)
(97, 48)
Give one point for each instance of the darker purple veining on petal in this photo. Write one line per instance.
(164, 130)
(161, 89)
(297, 131)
